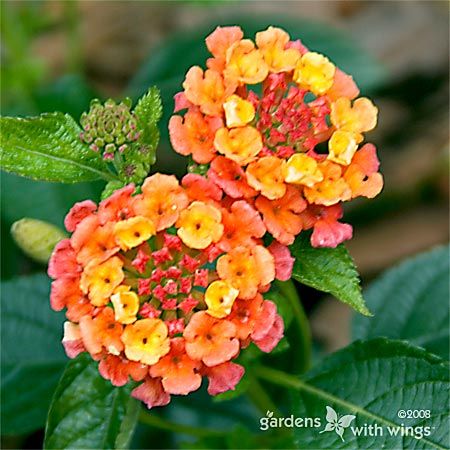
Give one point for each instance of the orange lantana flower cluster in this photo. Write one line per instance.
(165, 286)
(280, 128)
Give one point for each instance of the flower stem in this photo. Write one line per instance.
(164, 424)
(278, 377)
(260, 398)
(287, 288)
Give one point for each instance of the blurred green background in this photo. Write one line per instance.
(57, 55)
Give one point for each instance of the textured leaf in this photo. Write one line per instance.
(26, 392)
(88, 412)
(48, 148)
(32, 356)
(410, 302)
(329, 270)
(148, 112)
(373, 380)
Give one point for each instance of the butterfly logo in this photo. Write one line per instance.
(336, 423)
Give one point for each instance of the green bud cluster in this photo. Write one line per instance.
(109, 127)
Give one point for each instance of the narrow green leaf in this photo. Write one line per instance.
(32, 356)
(330, 270)
(410, 302)
(88, 412)
(375, 381)
(48, 148)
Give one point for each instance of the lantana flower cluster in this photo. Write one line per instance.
(280, 128)
(165, 286)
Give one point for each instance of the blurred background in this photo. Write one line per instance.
(57, 55)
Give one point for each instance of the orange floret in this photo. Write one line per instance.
(272, 43)
(194, 134)
(239, 144)
(362, 175)
(343, 86)
(359, 118)
(245, 314)
(132, 232)
(179, 373)
(93, 242)
(210, 340)
(282, 217)
(98, 281)
(208, 90)
(101, 332)
(267, 175)
(200, 225)
(161, 200)
(245, 64)
(119, 370)
(146, 341)
(302, 169)
(118, 206)
(218, 42)
(332, 189)
(242, 226)
(247, 269)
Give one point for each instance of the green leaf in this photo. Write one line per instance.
(410, 302)
(330, 270)
(48, 148)
(36, 238)
(26, 392)
(148, 112)
(88, 412)
(372, 380)
(32, 356)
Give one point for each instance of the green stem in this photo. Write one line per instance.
(261, 398)
(163, 424)
(287, 288)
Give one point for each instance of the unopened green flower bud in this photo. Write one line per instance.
(109, 127)
(36, 238)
